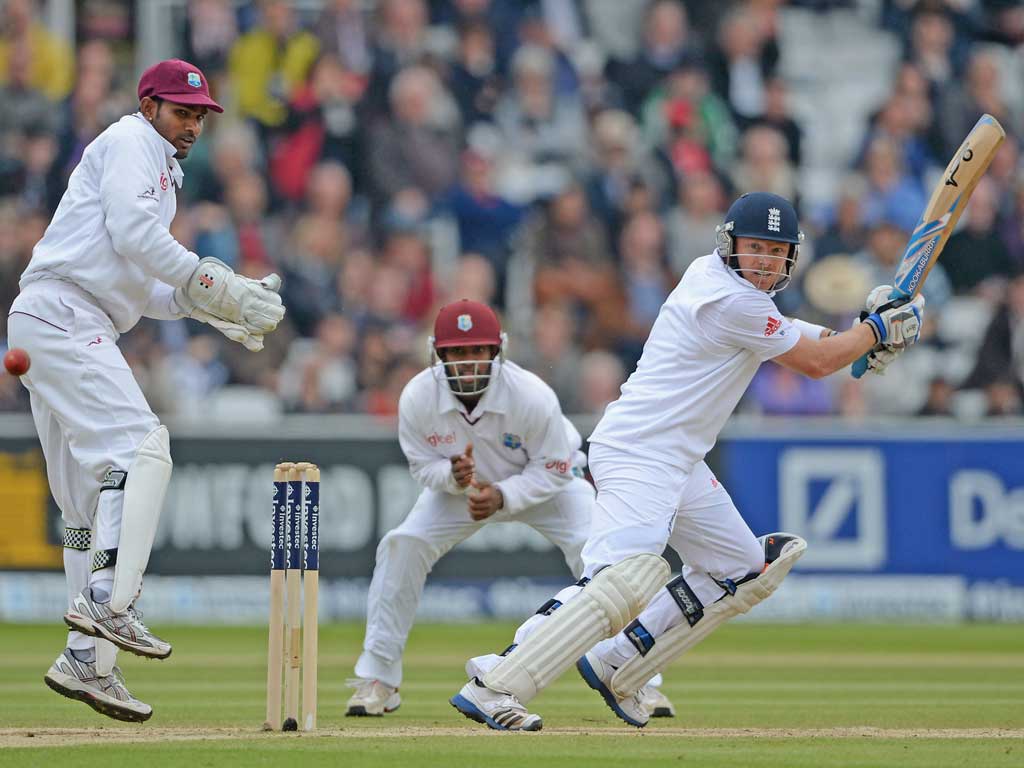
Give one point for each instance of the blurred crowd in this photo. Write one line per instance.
(564, 160)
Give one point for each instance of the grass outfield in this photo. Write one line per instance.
(835, 695)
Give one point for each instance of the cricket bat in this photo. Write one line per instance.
(948, 200)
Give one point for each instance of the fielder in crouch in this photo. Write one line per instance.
(107, 259)
(654, 488)
(488, 442)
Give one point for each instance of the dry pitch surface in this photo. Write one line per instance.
(785, 695)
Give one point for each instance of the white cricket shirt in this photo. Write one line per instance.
(110, 234)
(712, 333)
(521, 441)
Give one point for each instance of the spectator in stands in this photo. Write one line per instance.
(899, 122)
(940, 398)
(572, 263)
(930, 44)
(49, 59)
(475, 280)
(400, 41)
(486, 220)
(975, 253)
(407, 251)
(686, 102)
(553, 355)
(474, 78)
(353, 285)
(269, 62)
(25, 106)
(538, 127)
(764, 164)
(742, 62)
(776, 115)
(536, 32)
(93, 105)
(620, 161)
(980, 91)
(34, 181)
(596, 92)
(646, 282)
(846, 230)
(319, 374)
(258, 236)
(234, 151)
(210, 30)
(344, 32)
(601, 379)
(691, 222)
(666, 44)
(322, 124)
(685, 150)
(892, 194)
(418, 147)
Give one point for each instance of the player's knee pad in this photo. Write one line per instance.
(782, 550)
(145, 486)
(609, 601)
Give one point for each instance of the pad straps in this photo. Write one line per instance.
(77, 538)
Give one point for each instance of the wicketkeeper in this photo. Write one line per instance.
(107, 259)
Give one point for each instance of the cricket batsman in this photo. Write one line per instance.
(488, 442)
(106, 260)
(631, 620)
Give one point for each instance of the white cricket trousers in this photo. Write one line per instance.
(437, 522)
(88, 409)
(642, 506)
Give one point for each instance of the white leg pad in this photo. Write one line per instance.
(632, 675)
(608, 603)
(144, 492)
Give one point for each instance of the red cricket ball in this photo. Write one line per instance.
(16, 361)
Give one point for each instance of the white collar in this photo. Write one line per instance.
(177, 174)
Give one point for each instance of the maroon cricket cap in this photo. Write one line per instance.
(464, 323)
(177, 81)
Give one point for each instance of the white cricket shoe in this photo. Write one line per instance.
(125, 630)
(656, 702)
(108, 694)
(500, 711)
(372, 698)
(597, 675)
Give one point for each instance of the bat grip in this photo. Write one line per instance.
(898, 299)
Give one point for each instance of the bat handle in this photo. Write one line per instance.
(860, 365)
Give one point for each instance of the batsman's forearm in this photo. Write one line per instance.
(842, 349)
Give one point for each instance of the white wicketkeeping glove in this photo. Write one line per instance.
(251, 341)
(215, 289)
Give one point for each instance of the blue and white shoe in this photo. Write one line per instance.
(500, 711)
(596, 673)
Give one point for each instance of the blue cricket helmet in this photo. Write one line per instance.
(763, 215)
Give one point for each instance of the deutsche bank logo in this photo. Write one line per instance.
(835, 498)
